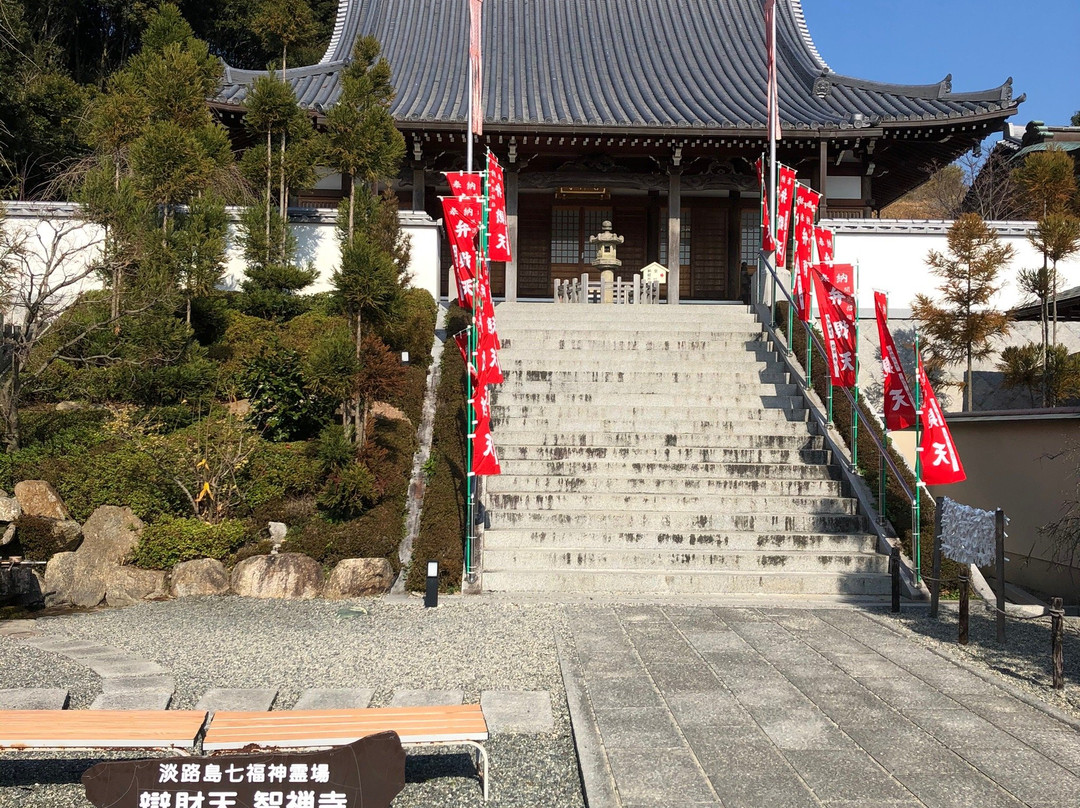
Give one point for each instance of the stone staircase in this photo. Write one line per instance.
(662, 449)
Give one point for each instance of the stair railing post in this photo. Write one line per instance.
(999, 536)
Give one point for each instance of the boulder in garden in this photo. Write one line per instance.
(203, 576)
(125, 586)
(357, 577)
(39, 498)
(285, 575)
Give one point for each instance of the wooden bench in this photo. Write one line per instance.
(451, 725)
(101, 729)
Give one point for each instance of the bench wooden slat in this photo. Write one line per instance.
(80, 729)
(300, 728)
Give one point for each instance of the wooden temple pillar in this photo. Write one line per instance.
(419, 180)
(674, 229)
(822, 177)
(734, 246)
(511, 182)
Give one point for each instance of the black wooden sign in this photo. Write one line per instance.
(369, 772)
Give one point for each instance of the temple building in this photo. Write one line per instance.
(646, 113)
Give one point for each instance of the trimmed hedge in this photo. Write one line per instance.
(169, 541)
(442, 521)
(897, 506)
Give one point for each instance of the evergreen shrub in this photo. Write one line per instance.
(171, 540)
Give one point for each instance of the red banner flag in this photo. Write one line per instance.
(767, 243)
(824, 238)
(498, 235)
(462, 340)
(940, 460)
(481, 403)
(785, 200)
(772, 93)
(485, 460)
(461, 230)
(465, 185)
(838, 330)
(842, 276)
(476, 92)
(899, 404)
(806, 204)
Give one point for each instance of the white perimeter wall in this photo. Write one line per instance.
(891, 256)
(315, 230)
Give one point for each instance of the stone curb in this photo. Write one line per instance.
(597, 781)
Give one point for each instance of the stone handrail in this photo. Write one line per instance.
(606, 290)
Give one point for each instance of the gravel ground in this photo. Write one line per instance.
(466, 644)
(234, 642)
(1023, 661)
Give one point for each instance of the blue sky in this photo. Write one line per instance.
(981, 42)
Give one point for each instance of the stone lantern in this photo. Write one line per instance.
(606, 242)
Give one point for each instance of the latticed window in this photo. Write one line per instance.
(684, 237)
(570, 231)
(565, 237)
(751, 235)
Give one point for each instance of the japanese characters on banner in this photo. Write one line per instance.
(461, 229)
(498, 235)
(899, 404)
(940, 460)
(842, 276)
(838, 328)
(785, 199)
(465, 184)
(823, 237)
(806, 204)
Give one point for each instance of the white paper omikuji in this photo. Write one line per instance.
(968, 535)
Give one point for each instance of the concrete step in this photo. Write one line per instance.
(516, 406)
(684, 521)
(733, 540)
(643, 456)
(674, 470)
(628, 484)
(618, 342)
(710, 582)
(527, 311)
(602, 501)
(741, 436)
(569, 390)
(760, 422)
(635, 361)
(649, 379)
(588, 558)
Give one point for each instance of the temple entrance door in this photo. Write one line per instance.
(571, 226)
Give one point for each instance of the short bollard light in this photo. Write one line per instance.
(431, 595)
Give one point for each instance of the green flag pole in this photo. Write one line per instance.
(855, 406)
(916, 528)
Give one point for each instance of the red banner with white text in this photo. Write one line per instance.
(498, 234)
(806, 204)
(838, 330)
(898, 403)
(940, 460)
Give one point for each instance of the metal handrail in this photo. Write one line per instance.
(816, 341)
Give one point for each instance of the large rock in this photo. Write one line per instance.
(203, 576)
(125, 586)
(59, 579)
(286, 575)
(356, 577)
(10, 509)
(39, 498)
(110, 534)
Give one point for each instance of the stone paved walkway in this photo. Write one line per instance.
(683, 706)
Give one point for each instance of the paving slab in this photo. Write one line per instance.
(744, 707)
(33, 698)
(133, 700)
(517, 711)
(323, 698)
(22, 629)
(426, 698)
(244, 700)
(115, 684)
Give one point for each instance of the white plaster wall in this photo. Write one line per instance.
(891, 256)
(315, 230)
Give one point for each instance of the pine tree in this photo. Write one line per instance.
(962, 326)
